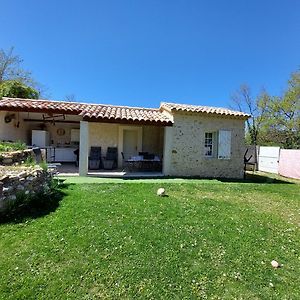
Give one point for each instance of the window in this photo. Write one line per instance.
(218, 144)
(208, 144)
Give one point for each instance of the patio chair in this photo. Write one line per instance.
(124, 163)
(110, 161)
(95, 158)
(247, 163)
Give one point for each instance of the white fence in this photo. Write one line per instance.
(275, 160)
(268, 159)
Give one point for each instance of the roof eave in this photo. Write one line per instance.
(128, 121)
(208, 114)
(38, 110)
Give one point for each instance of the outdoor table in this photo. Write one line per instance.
(137, 163)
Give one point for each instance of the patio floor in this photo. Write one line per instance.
(69, 169)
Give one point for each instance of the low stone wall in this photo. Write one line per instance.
(21, 180)
(15, 157)
(18, 157)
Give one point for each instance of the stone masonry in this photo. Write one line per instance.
(184, 147)
(21, 180)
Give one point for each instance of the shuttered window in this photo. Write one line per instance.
(224, 144)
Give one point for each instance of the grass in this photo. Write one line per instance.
(206, 240)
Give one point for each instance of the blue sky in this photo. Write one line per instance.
(142, 52)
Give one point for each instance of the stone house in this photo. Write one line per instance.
(188, 140)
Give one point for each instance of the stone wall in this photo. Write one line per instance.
(19, 157)
(184, 153)
(21, 180)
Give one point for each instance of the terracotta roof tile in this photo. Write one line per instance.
(88, 111)
(112, 113)
(40, 105)
(203, 109)
(124, 113)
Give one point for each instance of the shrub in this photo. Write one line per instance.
(12, 146)
(44, 166)
(29, 162)
(34, 205)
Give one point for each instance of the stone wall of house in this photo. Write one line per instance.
(15, 181)
(184, 153)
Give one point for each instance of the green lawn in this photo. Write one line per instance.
(118, 240)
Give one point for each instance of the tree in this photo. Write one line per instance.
(256, 107)
(275, 120)
(14, 80)
(16, 89)
(283, 122)
(10, 68)
(70, 98)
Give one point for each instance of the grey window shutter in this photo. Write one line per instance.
(224, 145)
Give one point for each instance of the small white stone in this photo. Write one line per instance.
(161, 192)
(20, 187)
(275, 264)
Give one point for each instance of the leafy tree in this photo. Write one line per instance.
(283, 123)
(10, 68)
(14, 80)
(70, 98)
(16, 89)
(275, 120)
(256, 107)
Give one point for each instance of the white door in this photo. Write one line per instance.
(268, 159)
(130, 143)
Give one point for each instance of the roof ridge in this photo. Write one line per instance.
(179, 105)
(42, 100)
(194, 105)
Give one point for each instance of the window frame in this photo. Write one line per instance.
(211, 144)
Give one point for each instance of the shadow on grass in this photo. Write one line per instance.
(258, 178)
(39, 205)
(249, 178)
